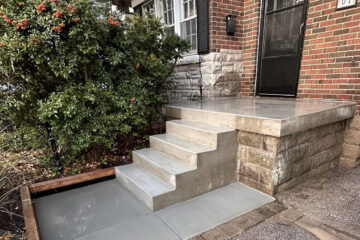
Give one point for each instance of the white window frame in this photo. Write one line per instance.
(182, 13)
(178, 13)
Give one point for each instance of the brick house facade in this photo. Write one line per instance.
(329, 63)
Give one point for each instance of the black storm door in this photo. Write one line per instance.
(281, 43)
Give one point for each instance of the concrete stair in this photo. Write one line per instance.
(192, 158)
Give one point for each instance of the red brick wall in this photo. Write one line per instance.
(245, 38)
(249, 42)
(330, 66)
(218, 37)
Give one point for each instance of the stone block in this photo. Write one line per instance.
(276, 207)
(352, 137)
(291, 182)
(256, 185)
(272, 144)
(265, 212)
(344, 162)
(304, 137)
(294, 154)
(291, 215)
(236, 226)
(233, 57)
(351, 151)
(214, 234)
(301, 167)
(238, 67)
(251, 139)
(257, 156)
(329, 129)
(266, 177)
(354, 123)
(250, 170)
(326, 156)
(323, 143)
(227, 69)
(282, 174)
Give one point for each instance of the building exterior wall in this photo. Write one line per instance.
(330, 66)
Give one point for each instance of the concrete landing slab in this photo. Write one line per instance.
(270, 116)
(197, 215)
(107, 210)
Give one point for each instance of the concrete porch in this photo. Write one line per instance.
(280, 141)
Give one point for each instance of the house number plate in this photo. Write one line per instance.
(346, 3)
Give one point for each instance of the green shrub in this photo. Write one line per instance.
(81, 70)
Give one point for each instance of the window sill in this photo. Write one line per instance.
(189, 59)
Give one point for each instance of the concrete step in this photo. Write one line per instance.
(163, 166)
(196, 132)
(144, 185)
(207, 116)
(179, 148)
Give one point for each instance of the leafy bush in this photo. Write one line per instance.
(81, 70)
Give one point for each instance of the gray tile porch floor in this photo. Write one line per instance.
(108, 211)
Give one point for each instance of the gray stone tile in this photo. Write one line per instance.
(75, 213)
(147, 227)
(202, 213)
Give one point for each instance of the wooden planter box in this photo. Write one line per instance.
(26, 192)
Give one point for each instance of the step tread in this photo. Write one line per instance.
(201, 126)
(184, 144)
(145, 181)
(164, 161)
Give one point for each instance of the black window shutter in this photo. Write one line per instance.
(203, 26)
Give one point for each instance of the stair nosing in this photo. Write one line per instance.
(178, 122)
(171, 171)
(209, 148)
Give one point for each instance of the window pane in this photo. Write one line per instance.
(188, 30)
(278, 4)
(169, 4)
(193, 26)
(149, 7)
(186, 10)
(193, 42)
(282, 40)
(171, 18)
(191, 5)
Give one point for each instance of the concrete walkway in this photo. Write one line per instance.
(326, 207)
(108, 211)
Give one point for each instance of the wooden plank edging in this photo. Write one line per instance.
(31, 226)
(70, 180)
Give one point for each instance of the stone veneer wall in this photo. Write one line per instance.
(273, 164)
(184, 82)
(219, 74)
(351, 151)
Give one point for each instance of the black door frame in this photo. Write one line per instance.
(260, 47)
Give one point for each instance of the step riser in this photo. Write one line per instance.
(208, 117)
(143, 196)
(174, 151)
(154, 169)
(192, 134)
